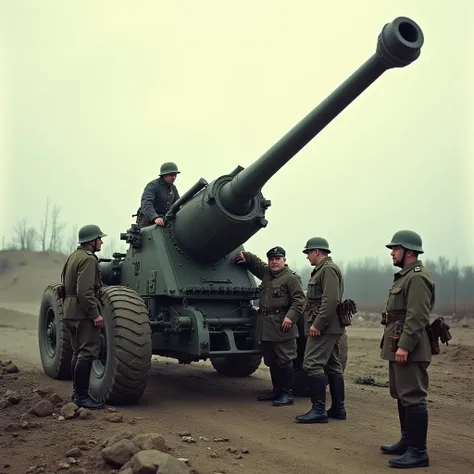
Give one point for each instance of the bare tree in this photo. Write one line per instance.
(72, 240)
(44, 226)
(56, 229)
(25, 236)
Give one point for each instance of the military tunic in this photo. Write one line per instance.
(324, 293)
(81, 305)
(410, 302)
(281, 295)
(157, 198)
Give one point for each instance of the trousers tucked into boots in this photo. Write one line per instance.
(400, 446)
(416, 426)
(285, 378)
(82, 375)
(336, 387)
(317, 414)
(275, 393)
(282, 380)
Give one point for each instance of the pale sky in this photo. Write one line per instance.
(94, 96)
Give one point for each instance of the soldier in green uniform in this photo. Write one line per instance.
(281, 303)
(324, 332)
(406, 345)
(158, 196)
(82, 311)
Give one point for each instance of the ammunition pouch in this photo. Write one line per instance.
(438, 331)
(394, 343)
(345, 310)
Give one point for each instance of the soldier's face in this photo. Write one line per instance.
(276, 263)
(98, 244)
(397, 255)
(170, 178)
(312, 256)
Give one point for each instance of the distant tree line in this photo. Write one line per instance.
(53, 235)
(368, 281)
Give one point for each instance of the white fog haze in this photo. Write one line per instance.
(95, 96)
(201, 367)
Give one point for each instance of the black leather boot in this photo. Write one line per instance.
(417, 430)
(82, 375)
(73, 369)
(285, 376)
(336, 387)
(275, 393)
(400, 446)
(317, 414)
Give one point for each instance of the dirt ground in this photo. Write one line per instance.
(197, 400)
(231, 432)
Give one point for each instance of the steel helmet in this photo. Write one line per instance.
(89, 232)
(168, 167)
(407, 239)
(317, 243)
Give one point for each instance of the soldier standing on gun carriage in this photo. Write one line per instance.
(82, 311)
(158, 196)
(281, 303)
(407, 347)
(324, 329)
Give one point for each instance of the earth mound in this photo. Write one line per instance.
(25, 274)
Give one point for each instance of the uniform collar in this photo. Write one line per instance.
(410, 267)
(89, 252)
(163, 182)
(321, 263)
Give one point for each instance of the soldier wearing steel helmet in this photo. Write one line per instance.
(281, 303)
(82, 318)
(406, 345)
(324, 332)
(158, 196)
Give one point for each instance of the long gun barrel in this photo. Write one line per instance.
(398, 45)
(231, 209)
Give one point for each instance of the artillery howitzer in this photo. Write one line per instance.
(177, 292)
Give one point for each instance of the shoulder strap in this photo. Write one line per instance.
(63, 272)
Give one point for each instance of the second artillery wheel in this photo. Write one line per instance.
(120, 375)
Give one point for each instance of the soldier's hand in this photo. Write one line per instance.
(99, 321)
(159, 221)
(239, 257)
(401, 356)
(314, 332)
(286, 324)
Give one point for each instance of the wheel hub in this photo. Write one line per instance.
(50, 328)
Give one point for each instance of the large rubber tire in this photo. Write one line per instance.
(120, 375)
(236, 365)
(54, 346)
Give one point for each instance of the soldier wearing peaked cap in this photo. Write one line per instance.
(82, 279)
(281, 303)
(406, 345)
(158, 196)
(324, 333)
